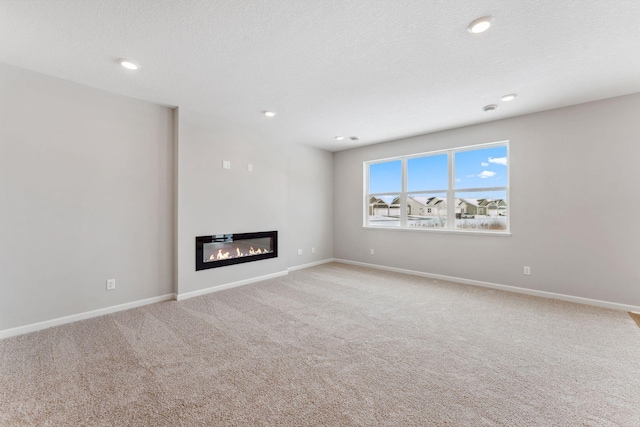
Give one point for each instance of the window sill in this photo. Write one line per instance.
(444, 231)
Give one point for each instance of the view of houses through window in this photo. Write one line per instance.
(468, 185)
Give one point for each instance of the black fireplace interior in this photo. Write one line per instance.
(228, 249)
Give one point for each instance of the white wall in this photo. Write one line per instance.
(309, 205)
(289, 190)
(213, 200)
(87, 186)
(85, 195)
(92, 187)
(566, 164)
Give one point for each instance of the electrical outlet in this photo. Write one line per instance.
(372, 252)
(111, 284)
(313, 250)
(527, 270)
(226, 164)
(299, 251)
(250, 167)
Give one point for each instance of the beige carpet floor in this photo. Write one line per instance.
(333, 345)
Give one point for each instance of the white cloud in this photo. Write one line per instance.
(470, 176)
(484, 164)
(498, 160)
(486, 174)
(458, 180)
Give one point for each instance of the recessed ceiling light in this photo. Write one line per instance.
(339, 138)
(509, 97)
(128, 64)
(269, 113)
(490, 108)
(480, 25)
(354, 138)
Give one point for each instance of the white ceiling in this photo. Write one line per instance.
(377, 69)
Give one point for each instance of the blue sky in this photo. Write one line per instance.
(481, 168)
(385, 177)
(428, 173)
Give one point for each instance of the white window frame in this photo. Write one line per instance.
(450, 191)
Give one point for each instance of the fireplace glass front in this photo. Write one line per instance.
(227, 249)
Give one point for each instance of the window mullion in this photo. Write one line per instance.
(403, 195)
(451, 201)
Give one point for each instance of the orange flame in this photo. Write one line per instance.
(226, 255)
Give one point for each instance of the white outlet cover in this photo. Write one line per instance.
(299, 251)
(372, 252)
(313, 250)
(250, 167)
(111, 284)
(226, 164)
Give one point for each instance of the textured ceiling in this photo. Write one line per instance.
(380, 70)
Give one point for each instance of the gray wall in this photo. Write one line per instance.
(92, 187)
(87, 184)
(309, 205)
(289, 190)
(85, 195)
(573, 206)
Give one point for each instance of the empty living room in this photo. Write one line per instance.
(334, 213)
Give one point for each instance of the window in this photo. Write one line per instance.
(385, 185)
(463, 189)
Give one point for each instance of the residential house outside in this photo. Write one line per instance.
(431, 211)
(426, 206)
(481, 207)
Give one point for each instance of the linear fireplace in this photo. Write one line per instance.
(227, 249)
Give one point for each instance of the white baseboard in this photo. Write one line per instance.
(187, 295)
(311, 264)
(20, 330)
(514, 289)
(6, 333)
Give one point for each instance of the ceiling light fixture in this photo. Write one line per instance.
(128, 64)
(509, 97)
(269, 113)
(490, 108)
(480, 25)
(339, 138)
